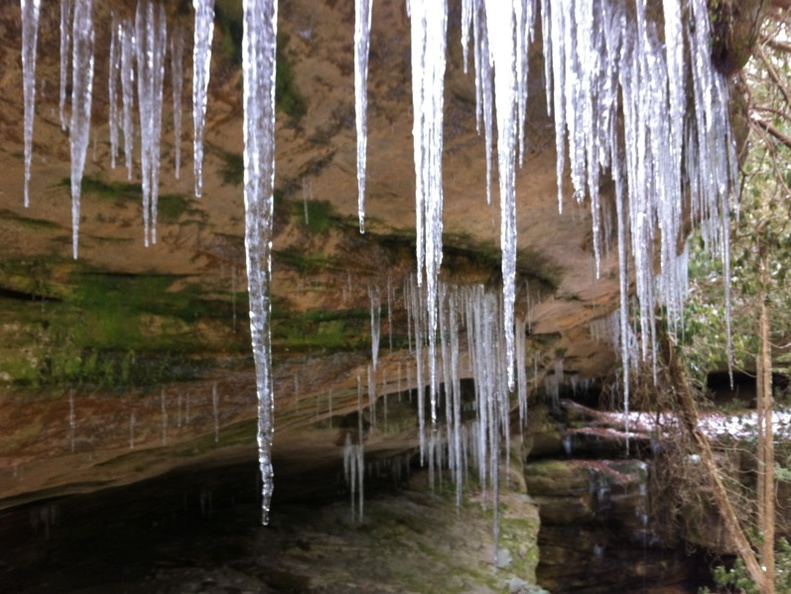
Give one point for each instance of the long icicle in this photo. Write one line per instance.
(30, 14)
(82, 94)
(362, 41)
(66, 10)
(428, 30)
(258, 64)
(201, 64)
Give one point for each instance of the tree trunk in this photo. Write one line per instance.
(766, 463)
(689, 420)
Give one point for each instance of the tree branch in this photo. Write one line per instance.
(767, 127)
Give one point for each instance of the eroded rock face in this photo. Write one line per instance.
(134, 361)
(597, 513)
(172, 316)
(191, 531)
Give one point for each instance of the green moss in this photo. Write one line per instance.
(229, 21)
(288, 99)
(320, 330)
(100, 188)
(29, 223)
(232, 170)
(170, 207)
(321, 215)
(302, 262)
(106, 330)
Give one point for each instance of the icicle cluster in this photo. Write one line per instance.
(475, 314)
(605, 62)
(151, 44)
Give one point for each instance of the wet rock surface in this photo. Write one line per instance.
(196, 532)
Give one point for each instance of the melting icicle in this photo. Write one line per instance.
(30, 13)
(177, 74)
(201, 66)
(362, 40)
(258, 64)
(82, 94)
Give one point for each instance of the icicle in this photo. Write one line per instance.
(521, 373)
(66, 10)
(258, 63)
(306, 192)
(502, 24)
(428, 30)
(151, 37)
(362, 40)
(82, 93)
(204, 32)
(390, 300)
(376, 323)
(372, 395)
(128, 53)
(30, 13)
(484, 95)
(113, 73)
(177, 75)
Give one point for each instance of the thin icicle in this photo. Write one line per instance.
(362, 40)
(177, 72)
(113, 74)
(66, 11)
(30, 13)
(128, 53)
(82, 94)
(201, 63)
(521, 373)
(258, 65)
(376, 323)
